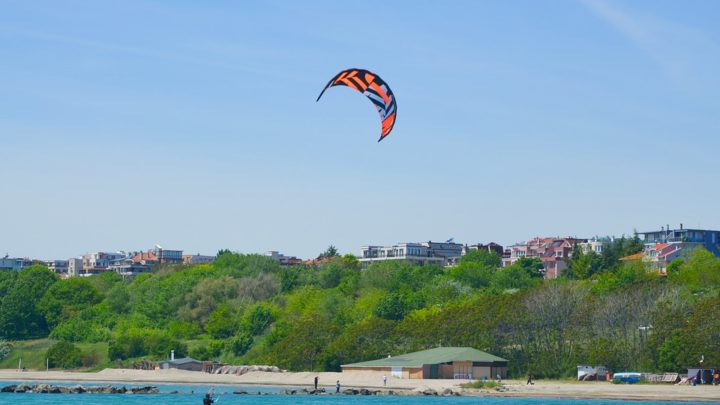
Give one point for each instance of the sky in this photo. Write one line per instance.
(193, 125)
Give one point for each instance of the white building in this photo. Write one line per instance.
(57, 266)
(14, 263)
(420, 254)
(75, 266)
(98, 262)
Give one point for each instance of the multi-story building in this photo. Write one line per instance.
(660, 255)
(595, 245)
(708, 239)
(14, 263)
(424, 253)
(128, 267)
(491, 247)
(197, 259)
(553, 252)
(57, 266)
(75, 266)
(282, 259)
(167, 256)
(98, 262)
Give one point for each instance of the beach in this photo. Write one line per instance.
(370, 380)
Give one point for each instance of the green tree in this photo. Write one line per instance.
(65, 298)
(19, 316)
(64, 355)
(240, 343)
(222, 323)
(331, 251)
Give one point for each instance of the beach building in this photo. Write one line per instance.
(437, 363)
(186, 363)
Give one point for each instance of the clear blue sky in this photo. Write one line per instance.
(194, 124)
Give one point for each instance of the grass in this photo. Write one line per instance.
(32, 353)
(482, 384)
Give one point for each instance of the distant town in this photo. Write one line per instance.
(661, 247)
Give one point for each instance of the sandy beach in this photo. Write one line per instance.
(513, 388)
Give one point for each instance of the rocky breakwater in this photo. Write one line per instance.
(76, 389)
(240, 370)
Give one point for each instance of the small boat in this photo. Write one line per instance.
(628, 378)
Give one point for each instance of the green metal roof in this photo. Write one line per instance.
(431, 356)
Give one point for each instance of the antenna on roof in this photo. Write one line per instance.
(451, 240)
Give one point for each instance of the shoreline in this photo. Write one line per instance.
(373, 381)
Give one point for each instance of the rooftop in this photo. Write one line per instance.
(431, 356)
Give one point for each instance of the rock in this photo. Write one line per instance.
(429, 392)
(8, 388)
(240, 392)
(350, 391)
(174, 392)
(145, 390)
(76, 389)
(23, 388)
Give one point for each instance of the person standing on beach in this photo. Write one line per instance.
(337, 387)
(384, 380)
(316, 382)
(530, 381)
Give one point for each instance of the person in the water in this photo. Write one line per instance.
(208, 400)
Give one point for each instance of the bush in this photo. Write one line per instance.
(240, 343)
(90, 359)
(143, 342)
(5, 349)
(64, 355)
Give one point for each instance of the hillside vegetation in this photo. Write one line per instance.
(247, 309)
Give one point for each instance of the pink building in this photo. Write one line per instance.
(553, 252)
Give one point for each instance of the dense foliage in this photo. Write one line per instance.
(248, 309)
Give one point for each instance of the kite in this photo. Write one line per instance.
(374, 88)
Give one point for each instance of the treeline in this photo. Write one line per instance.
(248, 309)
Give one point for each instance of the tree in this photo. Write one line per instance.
(240, 343)
(5, 348)
(19, 316)
(66, 298)
(222, 323)
(64, 355)
(331, 251)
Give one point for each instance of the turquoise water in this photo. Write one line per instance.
(193, 394)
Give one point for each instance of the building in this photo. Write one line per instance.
(186, 363)
(282, 259)
(98, 262)
(660, 255)
(708, 239)
(197, 259)
(441, 362)
(491, 247)
(595, 245)
(128, 267)
(58, 266)
(75, 266)
(421, 254)
(167, 256)
(554, 252)
(14, 263)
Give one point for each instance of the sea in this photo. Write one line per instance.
(193, 395)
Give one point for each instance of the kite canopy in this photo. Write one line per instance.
(374, 88)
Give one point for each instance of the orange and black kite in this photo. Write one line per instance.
(374, 88)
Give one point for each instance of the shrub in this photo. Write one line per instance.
(240, 343)
(64, 355)
(5, 349)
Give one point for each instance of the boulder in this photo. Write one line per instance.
(8, 388)
(23, 388)
(145, 390)
(240, 392)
